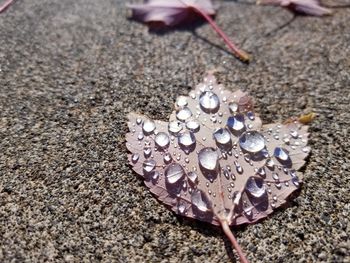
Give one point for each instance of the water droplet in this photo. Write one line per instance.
(306, 149)
(147, 151)
(138, 121)
(155, 175)
(270, 164)
(227, 174)
(183, 114)
(198, 200)
(237, 198)
(208, 158)
(224, 99)
(193, 177)
(187, 141)
(255, 186)
(193, 95)
(193, 126)
(167, 158)
(286, 140)
(262, 172)
(181, 101)
(251, 115)
(236, 123)
(181, 208)
(175, 127)
(278, 185)
(173, 173)
(140, 136)
(281, 154)
(162, 140)
(209, 102)
(239, 168)
(222, 136)
(295, 181)
(149, 165)
(252, 141)
(233, 107)
(294, 134)
(275, 176)
(248, 211)
(148, 126)
(135, 157)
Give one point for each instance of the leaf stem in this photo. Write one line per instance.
(5, 5)
(231, 237)
(239, 53)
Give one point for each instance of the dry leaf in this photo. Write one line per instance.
(214, 160)
(174, 12)
(5, 5)
(307, 7)
(170, 12)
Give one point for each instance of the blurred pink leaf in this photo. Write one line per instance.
(214, 160)
(175, 12)
(5, 5)
(170, 12)
(307, 7)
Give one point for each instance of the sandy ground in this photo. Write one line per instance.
(70, 71)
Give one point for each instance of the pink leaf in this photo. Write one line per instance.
(5, 5)
(307, 7)
(174, 12)
(214, 160)
(170, 12)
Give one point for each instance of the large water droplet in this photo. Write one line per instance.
(193, 177)
(208, 159)
(252, 141)
(187, 141)
(183, 114)
(148, 126)
(198, 200)
(236, 123)
(209, 102)
(162, 140)
(255, 186)
(173, 173)
(193, 126)
(181, 101)
(222, 136)
(175, 127)
(281, 154)
(149, 165)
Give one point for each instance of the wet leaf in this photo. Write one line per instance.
(174, 12)
(214, 160)
(306, 7)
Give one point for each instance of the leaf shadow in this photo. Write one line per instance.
(210, 230)
(159, 29)
(279, 28)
